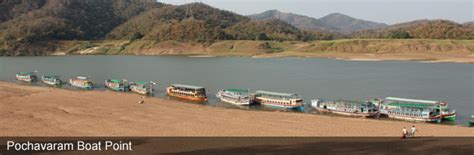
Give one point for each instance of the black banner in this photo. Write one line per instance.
(235, 145)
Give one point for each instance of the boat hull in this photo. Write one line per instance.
(449, 117)
(245, 103)
(88, 87)
(195, 99)
(369, 114)
(415, 119)
(139, 91)
(56, 82)
(26, 79)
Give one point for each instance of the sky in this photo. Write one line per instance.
(385, 11)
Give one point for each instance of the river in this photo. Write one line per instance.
(310, 77)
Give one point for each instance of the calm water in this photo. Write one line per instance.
(309, 77)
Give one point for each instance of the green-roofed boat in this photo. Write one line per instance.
(238, 97)
(143, 88)
(51, 80)
(414, 109)
(278, 100)
(116, 84)
(345, 107)
(27, 76)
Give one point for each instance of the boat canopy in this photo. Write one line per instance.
(82, 78)
(236, 90)
(116, 80)
(51, 76)
(187, 86)
(411, 100)
(354, 102)
(26, 73)
(141, 83)
(261, 92)
(410, 105)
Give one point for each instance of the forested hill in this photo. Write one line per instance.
(27, 26)
(421, 29)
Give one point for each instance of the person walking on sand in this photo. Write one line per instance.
(413, 131)
(142, 100)
(404, 132)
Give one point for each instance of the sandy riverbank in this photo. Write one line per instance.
(42, 111)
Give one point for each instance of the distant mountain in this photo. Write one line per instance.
(469, 24)
(349, 24)
(334, 22)
(422, 29)
(299, 21)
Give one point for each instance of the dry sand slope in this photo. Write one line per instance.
(41, 111)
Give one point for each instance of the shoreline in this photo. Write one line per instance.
(343, 58)
(44, 111)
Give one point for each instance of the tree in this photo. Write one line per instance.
(400, 35)
(136, 36)
(262, 36)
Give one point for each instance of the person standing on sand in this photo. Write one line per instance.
(413, 131)
(404, 132)
(142, 100)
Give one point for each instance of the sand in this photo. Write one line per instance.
(43, 111)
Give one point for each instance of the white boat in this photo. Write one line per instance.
(278, 100)
(234, 96)
(344, 107)
(27, 76)
(81, 82)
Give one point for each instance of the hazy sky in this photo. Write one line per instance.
(386, 11)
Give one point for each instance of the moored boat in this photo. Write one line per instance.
(142, 87)
(345, 107)
(278, 100)
(117, 85)
(409, 109)
(51, 80)
(235, 96)
(441, 106)
(471, 122)
(81, 82)
(27, 76)
(187, 92)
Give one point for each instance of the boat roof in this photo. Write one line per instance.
(411, 100)
(353, 101)
(141, 83)
(51, 76)
(115, 80)
(236, 90)
(82, 78)
(413, 105)
(275, 93)
(26, 73)
(187, 86)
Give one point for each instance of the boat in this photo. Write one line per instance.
(443, 107)
(81, 82)
(409, 109)
(51, 80)
(235, 96)
(471, 122)
(187, 92)
(143, 88)
(117, 85)
(27, 76)
(346, 107)
(278, 100)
